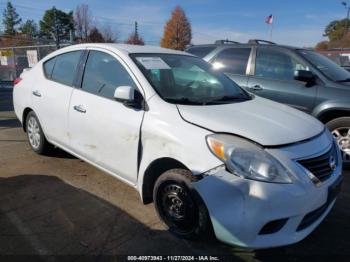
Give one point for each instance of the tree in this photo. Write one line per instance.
(10, 19)
(177, 31)
(29, 28)
(134, 38)
(338, 35)
(57, 24)
(108, 34)
(336, 29)
(321, 46)
(82, 21)
(95, 36)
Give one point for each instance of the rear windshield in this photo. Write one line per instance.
(200, 51)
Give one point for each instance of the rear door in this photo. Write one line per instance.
(273, 78)
(52, 95)
(234, 63)
(101, 129)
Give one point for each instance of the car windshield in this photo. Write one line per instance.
(326, 66)
(183, 79)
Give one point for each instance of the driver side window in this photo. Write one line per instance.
(276, 64)
(103, 74)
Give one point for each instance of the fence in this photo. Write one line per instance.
(14, 59)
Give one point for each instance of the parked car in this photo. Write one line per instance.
(212, 157)
(294, 76)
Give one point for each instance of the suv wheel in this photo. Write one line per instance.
(179, 206)
(340, 128)
(36, 137)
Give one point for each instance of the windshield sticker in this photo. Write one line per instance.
(153, 63)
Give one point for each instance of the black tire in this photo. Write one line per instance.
(180, 207)
(43, 147)
(342, 125)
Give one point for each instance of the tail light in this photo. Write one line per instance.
(16, 81)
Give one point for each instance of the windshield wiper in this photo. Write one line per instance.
(344, 80)
(184, 101)
(227, 99)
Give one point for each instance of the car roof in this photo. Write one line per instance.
(245, 45)
(128, 49)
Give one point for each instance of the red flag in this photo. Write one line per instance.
(269, 20)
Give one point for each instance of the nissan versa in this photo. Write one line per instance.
(212, 157)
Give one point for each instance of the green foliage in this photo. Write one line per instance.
(336, 29)
(29, 28)
(56, 24)
(10, 19)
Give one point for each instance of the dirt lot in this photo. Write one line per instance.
(65, 209)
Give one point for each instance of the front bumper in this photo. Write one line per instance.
(239, 209)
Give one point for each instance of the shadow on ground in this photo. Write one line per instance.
(9, 123)
(43, 215)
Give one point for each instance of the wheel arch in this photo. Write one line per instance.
(26, 111)
(153, 171)
(331, 114)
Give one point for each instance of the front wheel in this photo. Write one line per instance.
(179, 206)
(340, 128)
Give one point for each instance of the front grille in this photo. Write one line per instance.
(321, 166)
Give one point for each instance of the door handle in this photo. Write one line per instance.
(36, 93)
(79, 108)
(256, 88)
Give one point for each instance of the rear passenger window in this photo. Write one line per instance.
(48, 66)
(200, 51)
(103, 74)
(233, 60)
(65, 67)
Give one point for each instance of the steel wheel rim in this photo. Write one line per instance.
(342, 136)
(33, 131)
(177, 208)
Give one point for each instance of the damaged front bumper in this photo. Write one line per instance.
(255, 214)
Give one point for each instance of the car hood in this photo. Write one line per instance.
(263, 121)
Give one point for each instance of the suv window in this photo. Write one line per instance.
(64, 70)
(233, 60)
(103, 74)
(276, 64)
(48, 66)
(200, 51)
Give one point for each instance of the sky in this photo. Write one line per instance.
(298, 22)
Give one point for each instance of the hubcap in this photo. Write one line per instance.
(33, 131)
(177, 208)
(342, 135)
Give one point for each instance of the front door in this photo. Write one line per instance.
(101, 129)
(274, 79)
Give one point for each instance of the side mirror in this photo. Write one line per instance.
(129, 96)
(305, 76)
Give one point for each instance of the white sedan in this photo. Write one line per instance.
(213, 158)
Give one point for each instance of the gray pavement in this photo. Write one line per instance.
(65, 209)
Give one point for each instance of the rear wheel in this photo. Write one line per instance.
(36, 137)
(340, 128)
(179, 206)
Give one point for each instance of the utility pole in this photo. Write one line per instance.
(56, 28)
(136, 30)
(347, 7)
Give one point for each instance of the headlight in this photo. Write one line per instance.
(247, 160)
